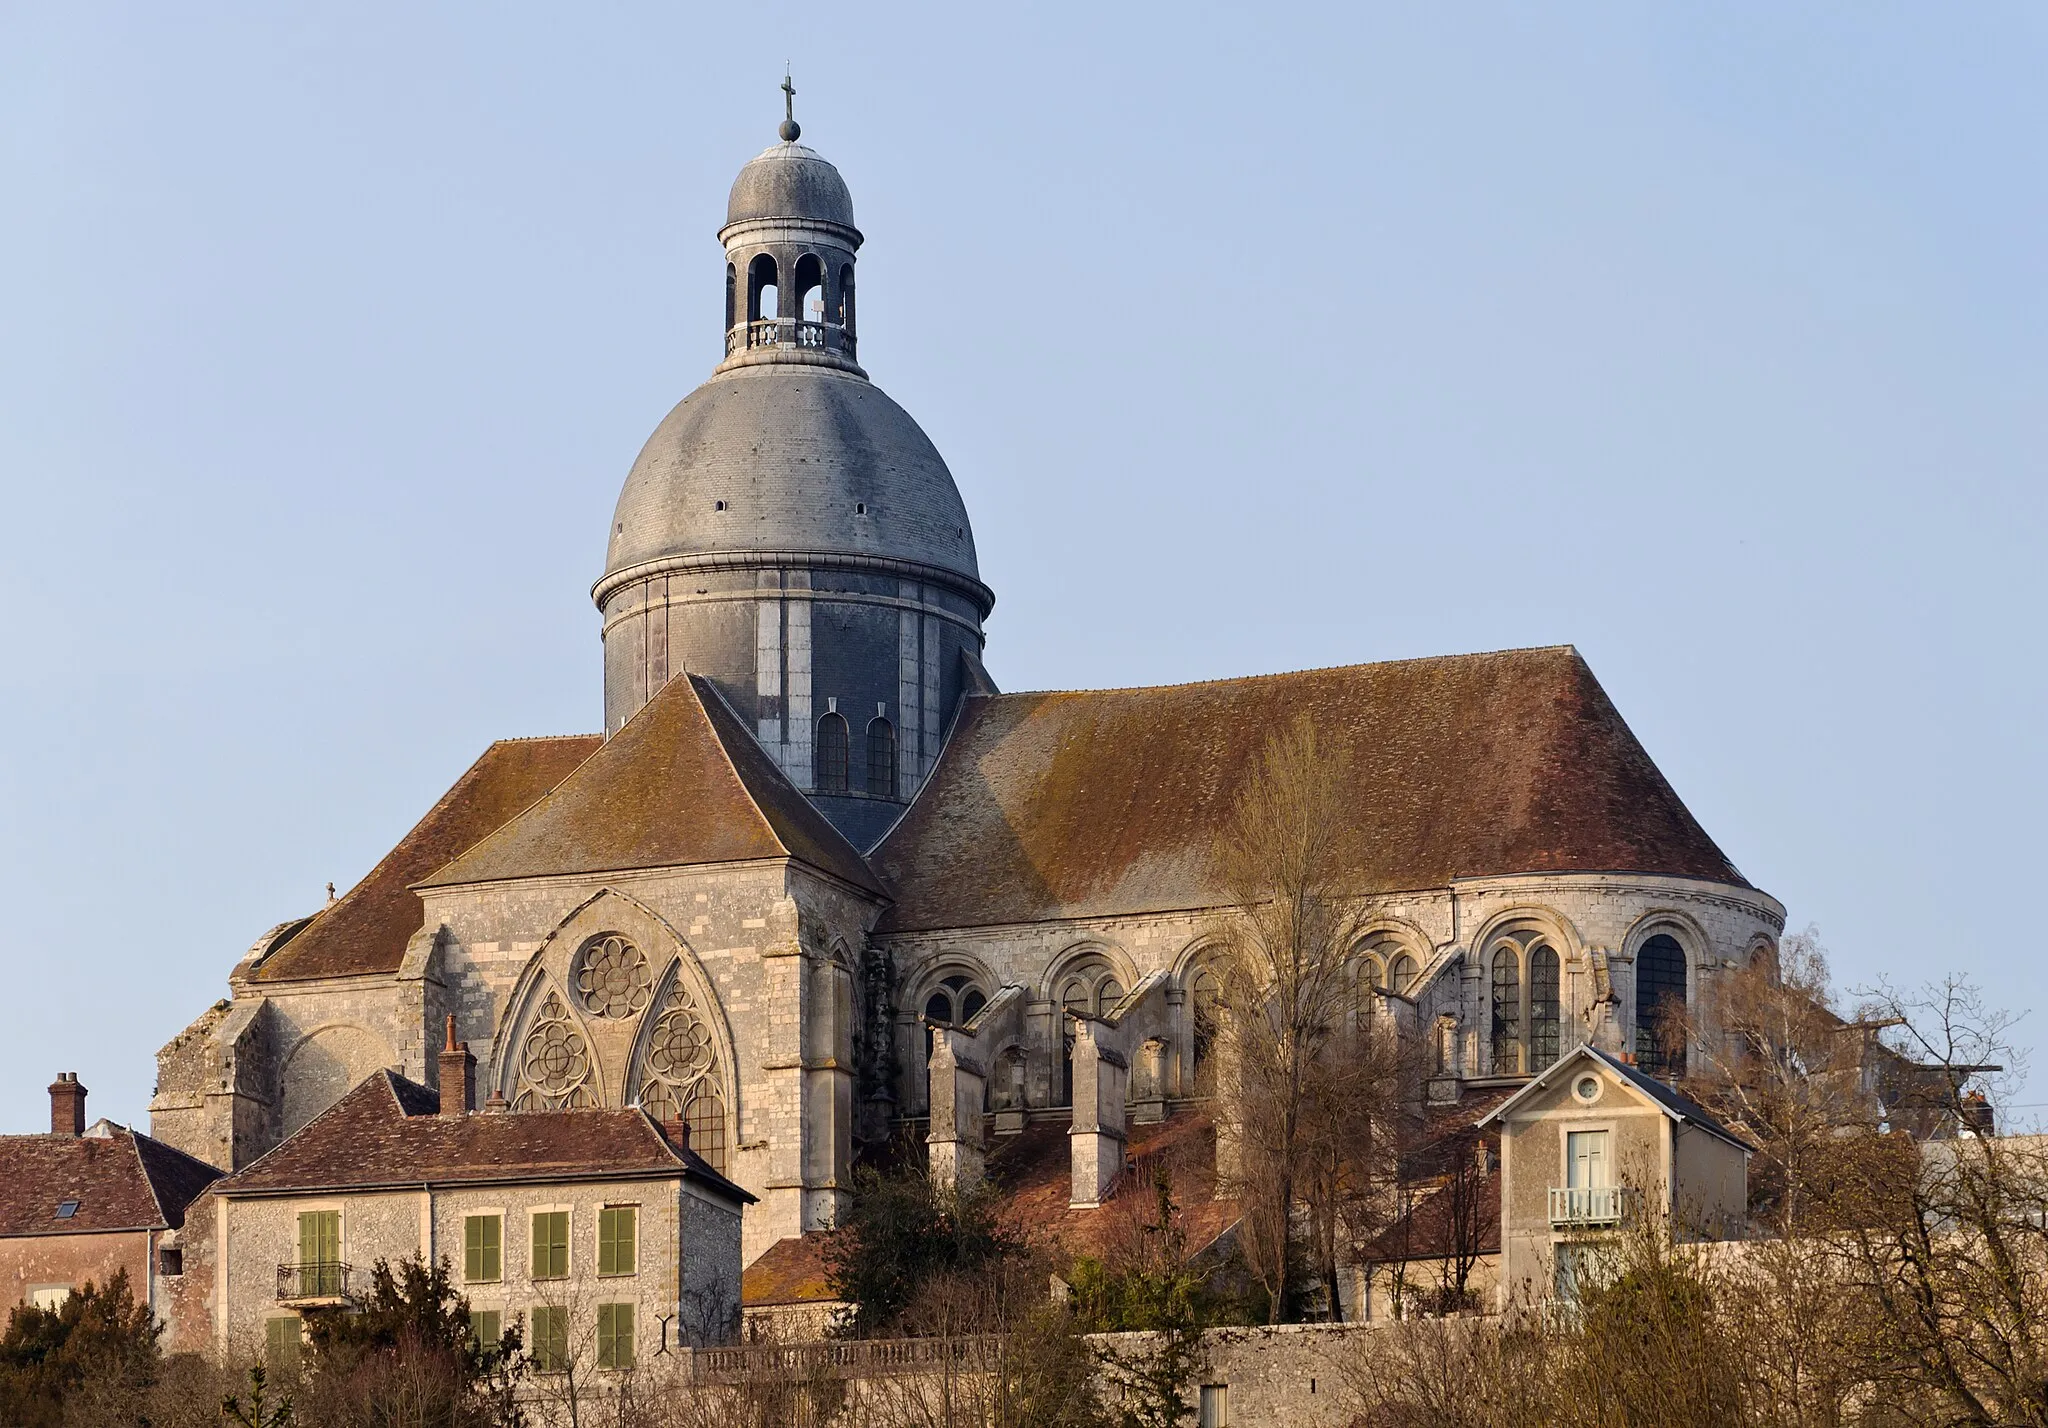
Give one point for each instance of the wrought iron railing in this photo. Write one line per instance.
(1590, 1206)
(789, 332)
(320, 1280)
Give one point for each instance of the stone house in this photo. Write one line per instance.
(600, 1230)
(81, 1205)
(1589, 1145)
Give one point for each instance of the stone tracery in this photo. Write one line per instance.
(681, 1080)
(611, 977)
(554, 1061)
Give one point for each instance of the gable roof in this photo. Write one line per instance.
(682, 783)
(1677, 1106)
(388, 1132)
(1108, 802)
(367, 929)
(121, 1181)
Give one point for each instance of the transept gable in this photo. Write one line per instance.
(682, 784)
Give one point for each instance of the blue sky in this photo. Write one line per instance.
(1708, 339)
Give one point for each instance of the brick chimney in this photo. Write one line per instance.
(458, 1076)
(67, 1105)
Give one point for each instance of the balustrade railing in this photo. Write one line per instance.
(846, 1358)
(1590, 1206)
(789, 332)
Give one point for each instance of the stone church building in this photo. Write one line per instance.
(816, 864)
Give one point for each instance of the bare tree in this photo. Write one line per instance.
(1308, 1087)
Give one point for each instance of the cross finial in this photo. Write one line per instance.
(790, 129)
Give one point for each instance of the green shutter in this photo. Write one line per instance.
(551, 1244)
(550, 1338)
(319, 1254)
(281, 1343)
(615, 1336)
(487, 1327)
(482, 1248)
(618, 1239)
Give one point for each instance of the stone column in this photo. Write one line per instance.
(1096, 1141)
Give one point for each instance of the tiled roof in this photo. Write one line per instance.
(791, 1271)
(367, 930)
(1108, 802)
(121, 1181)
(1033, 1172)
(388, 1132)
(682, 783)
(1429, 1228)
(1675, 1104)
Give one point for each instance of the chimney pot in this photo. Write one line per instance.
(67, 1105)
(458, 1076)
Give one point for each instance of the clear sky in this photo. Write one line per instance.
(1711, 339)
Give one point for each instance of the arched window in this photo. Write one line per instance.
(832, 740)
(1402, 977)
(1660, 1006)
(763, 295)
(1507, 1012)
(1546, 1007)
(732, 282)
(705, 1116)
(810, 289)
(953, 1002)
(1372, 977)
(881, 758)
(846, 298)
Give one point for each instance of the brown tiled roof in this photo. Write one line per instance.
(1101, 803)
(792, 1271)
(387, 1132)
(121, 1181)
(367, 930)
(1429, 1231)
(682, 783)
(1033, 1172)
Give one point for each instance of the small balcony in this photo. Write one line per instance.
(789, 332)
(320, 1284)
(1590, 1207)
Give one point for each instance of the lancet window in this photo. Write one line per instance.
(1660, 1005)
(681, 1079)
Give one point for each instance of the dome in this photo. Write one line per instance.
(789, 181)
(795, 460)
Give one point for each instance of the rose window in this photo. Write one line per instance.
(611, 977)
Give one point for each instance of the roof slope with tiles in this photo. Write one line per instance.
(367, 930)
(683, 783)
(388, 1132)
(1108, 802)
(121, 1181)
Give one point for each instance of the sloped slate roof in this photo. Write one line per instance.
(366, 931)
(1108, 802)
(1673, 1103)
(683, 783)
(388, 1132)
(121, 1181)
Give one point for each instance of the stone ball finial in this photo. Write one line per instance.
(790, 131)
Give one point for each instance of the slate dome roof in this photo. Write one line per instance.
(806, 460)
(789, 181)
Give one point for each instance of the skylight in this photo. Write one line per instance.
(66, 1209)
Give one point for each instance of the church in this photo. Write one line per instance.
(818, 881)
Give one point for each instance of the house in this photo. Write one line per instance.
(600, 1230)
(1589, 1145)
(81, 1205)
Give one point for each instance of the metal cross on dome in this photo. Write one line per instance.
(788, 98)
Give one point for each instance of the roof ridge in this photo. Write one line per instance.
(545, 738)
(698, 684)
(1294, 673)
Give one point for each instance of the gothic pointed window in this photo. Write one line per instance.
(1545, 1007)
(1507, 1011)
(554, 1061)
(1660, 1006)
(881, 758)
(680, 1077)
(832, 741)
